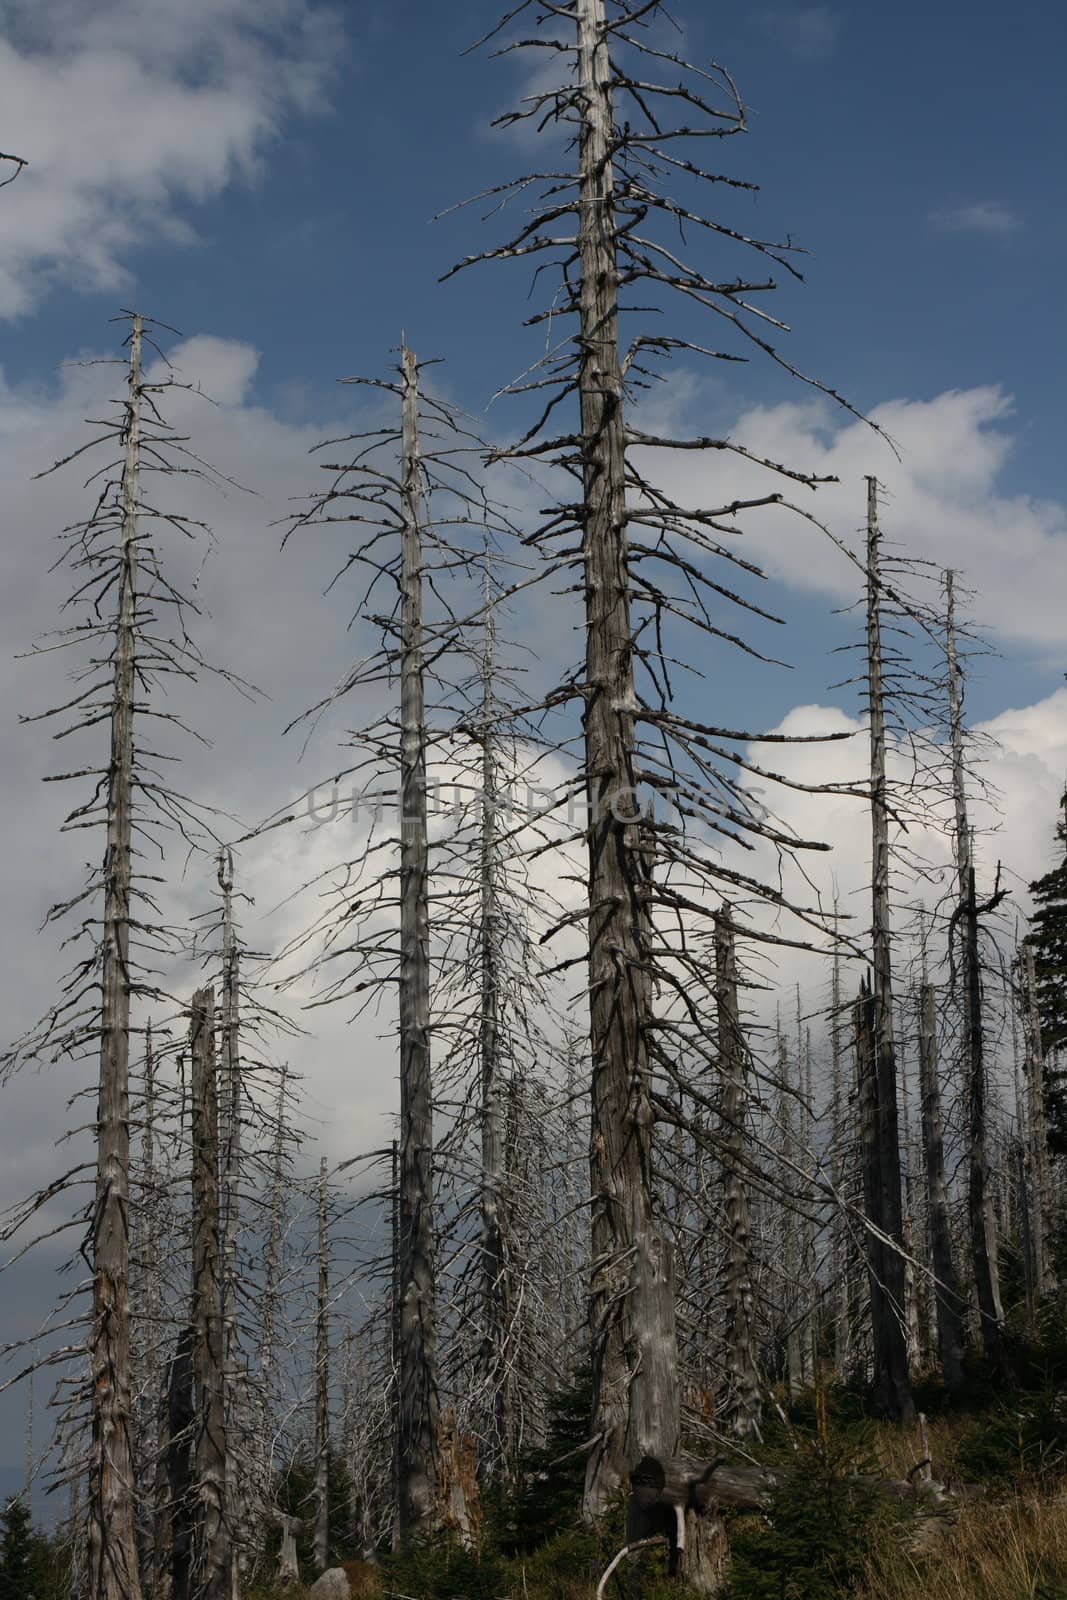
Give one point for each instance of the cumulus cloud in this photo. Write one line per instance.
(977, 216)
(130, 111)
(946, 498)
(1020, 763)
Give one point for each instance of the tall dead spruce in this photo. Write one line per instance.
(130, 618)
(211, 1559)
(885, 1210)
(642, 563)
(113, 1562)
(745, 1405)
(965, 925)
(412, 493)
(322, 1377)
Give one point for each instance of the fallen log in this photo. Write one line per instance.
(668, 1492)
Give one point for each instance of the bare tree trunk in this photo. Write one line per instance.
(808, 1285)
(1037, 1128)
(154, 1578)
(946, 1286)
(211, 1567)
(322, 1381)
(744, 1395)
(180, 1410)
(231, 1184)
(418, 1404)
(269, 1315)
(635, 1381)
(494, 1263)
(841, 1252)
(981, 1215)
(790, 1254)
(888, 1326)
(980, 1206)
(911, 1287)
(113, 1573)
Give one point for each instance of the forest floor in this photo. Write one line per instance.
(998, 1532)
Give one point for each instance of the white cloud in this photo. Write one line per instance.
(1014, 811)
(128, 112)
(977, 216)
(945, 499)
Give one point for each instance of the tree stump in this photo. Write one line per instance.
(680, 1499)
(288, 1566)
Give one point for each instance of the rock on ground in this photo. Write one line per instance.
(332, 1585)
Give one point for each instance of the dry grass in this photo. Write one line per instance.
(365, 1580)
(899, 1450)
(1016, 1551)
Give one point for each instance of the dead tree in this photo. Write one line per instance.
(1040, 1198)
(744, 1408)
(946, 1285)
(494, 1256)
(151, 1245)
(888, 1304)
(412, 490)
(965, 921)
(231, 1130)
(504, 1045)
(640, 561)
(417, 1373)
(322, 1379)
(272, 1270)
(211, 1562)
(113, 1560)
(842, 1169)
(789, 1265)
(131, 618)
(180, 1411)
(808, 1219)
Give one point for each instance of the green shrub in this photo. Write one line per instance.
(823, 1520)
(548, 1498)
(444, 1570)
(1026, 1438)
(32, 1566)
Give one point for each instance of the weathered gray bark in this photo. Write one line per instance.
(789, 1223)
(418, 1402)
(743, 1400)
(211, 1564)
(269, 1312)
(841, 1288)
(632, 1332)
(494, 1259)
(154, 1574)
(322, 1380)
(806, 1119)
(393, 1334)
(947, 1300)
(232, 1123)
(1036, 1128)
(891, 1384)
(288, 1564)
(180, 1407)
(980, 1207)
(113, 1571)
(911, 1286)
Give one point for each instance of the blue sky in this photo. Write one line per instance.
(915, 150)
